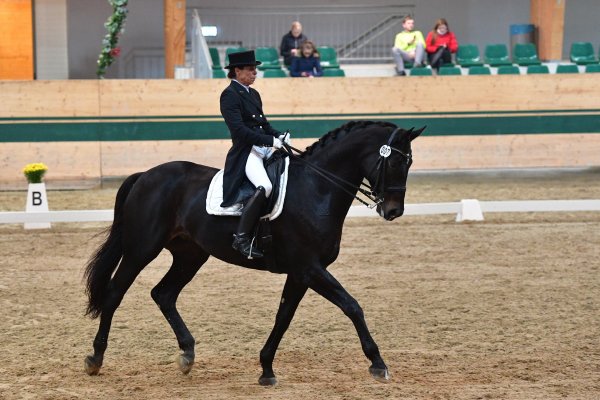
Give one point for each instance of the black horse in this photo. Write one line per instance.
(164, 207)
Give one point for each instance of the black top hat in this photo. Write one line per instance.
(242, 59)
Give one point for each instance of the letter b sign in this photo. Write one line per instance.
(36, 198)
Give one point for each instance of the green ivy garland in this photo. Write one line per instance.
(114, 26)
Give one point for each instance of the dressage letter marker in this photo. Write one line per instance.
(37, 201)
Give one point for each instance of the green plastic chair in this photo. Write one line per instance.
(214, 56)
(333, 72)
(508, 70)
(421, 72)
(218, 73)
(468, 55)
(230, 50)
(537, 69)
(274, 73)
(567, 69)
(525, 54)
(582, 53)
(450, 71)
(479, 70)
(269, 58)
(592, 68)
(328, 57)
(496, 55)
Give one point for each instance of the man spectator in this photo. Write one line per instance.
(409, 46)
(291, 42)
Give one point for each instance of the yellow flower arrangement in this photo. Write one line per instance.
(34, 172)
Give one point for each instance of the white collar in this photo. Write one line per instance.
(245, 87)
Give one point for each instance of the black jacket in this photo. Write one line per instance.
(289, 42)
(248, 127)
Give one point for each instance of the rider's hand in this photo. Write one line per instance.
(285, 139)
(277, 143)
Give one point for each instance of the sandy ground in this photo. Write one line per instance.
(507, 308)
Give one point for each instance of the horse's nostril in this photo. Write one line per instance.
(395, 213)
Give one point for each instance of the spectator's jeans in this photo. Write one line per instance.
(441, 56)
(400, 56)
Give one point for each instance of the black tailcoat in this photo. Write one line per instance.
(248, 127)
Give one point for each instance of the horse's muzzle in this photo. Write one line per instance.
(391, 213)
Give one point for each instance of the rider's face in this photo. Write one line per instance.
(246, 75)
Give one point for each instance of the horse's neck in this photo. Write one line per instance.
(342, 162)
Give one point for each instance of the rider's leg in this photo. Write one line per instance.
(242, 240)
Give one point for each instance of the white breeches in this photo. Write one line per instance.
(255, 170)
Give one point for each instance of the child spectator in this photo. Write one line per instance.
(307, 65)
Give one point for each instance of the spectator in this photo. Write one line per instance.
(408, 46)
(291, 41)
(441, 43)
(307, 64)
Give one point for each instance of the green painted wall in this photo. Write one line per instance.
(301, 126)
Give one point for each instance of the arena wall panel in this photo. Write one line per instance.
(90, 130)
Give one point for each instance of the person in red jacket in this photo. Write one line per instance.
(440, 44)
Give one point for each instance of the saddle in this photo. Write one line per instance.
(277, 171)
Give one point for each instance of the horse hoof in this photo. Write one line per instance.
(264, 381)
(91, 366)
(185, 363)
(380, 374)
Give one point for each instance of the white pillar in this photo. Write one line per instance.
(37, 201)
(470, 210)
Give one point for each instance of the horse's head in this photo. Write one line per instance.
(388, 179)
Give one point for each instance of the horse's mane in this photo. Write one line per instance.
(343, 130)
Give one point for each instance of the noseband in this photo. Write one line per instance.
(375, 193)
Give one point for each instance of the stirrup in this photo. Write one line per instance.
(243, 244)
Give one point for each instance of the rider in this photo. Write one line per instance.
(253, 140)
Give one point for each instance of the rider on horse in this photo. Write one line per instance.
(253, 141)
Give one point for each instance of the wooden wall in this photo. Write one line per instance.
(561, 114)
(16, 39)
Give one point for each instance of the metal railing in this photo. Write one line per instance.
(358, 33)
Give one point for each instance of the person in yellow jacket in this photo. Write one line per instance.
(408, 46)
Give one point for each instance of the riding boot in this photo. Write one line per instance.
(242, 240)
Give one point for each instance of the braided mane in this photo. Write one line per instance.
(343, 130)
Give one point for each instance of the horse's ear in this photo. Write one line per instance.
(413, 134)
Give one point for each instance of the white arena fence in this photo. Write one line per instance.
(467, 209)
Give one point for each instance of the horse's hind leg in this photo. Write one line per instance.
(322, 282)
(293, 292)
(187, 260)
(128, 270)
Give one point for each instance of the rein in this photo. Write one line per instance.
(376, 196)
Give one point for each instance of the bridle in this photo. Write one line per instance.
(374, 193)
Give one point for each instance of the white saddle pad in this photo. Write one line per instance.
(215, 197)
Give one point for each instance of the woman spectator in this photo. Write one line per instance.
(440, 44)
(307, 65)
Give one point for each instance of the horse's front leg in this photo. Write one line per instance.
(322, 282)
(293, 292)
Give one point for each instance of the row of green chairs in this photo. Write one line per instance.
(269, 58)
(524, 54)
(506, 70)
(280, 73)
(496, 55)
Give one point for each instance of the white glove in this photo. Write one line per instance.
(285, 139)
(277, 143)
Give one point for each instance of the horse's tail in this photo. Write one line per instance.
(106, 259)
